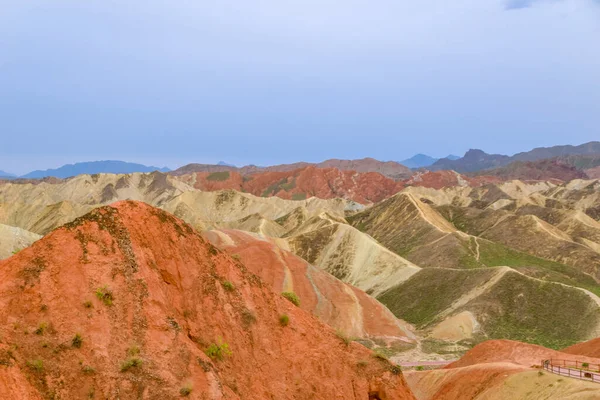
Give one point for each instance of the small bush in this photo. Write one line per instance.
(218, 351)
(36, 365)
(291, 296)
(88, 304)
(77, 341)
(228, 286)
(420, 368)
(395, 369)
(131, 362)
(362, 363)
(585, 365)
(540, 373)
(284, 320)
(87, 369)
(41, 329)
(185, 391)
(379, 355)
(105, 295)
(343, 337)
(236, 257)
(43, 307)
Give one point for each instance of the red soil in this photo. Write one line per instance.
(334, 302)
(591, 348)
(482, 368)
(168, 306)
(324, 183)
(494, 351)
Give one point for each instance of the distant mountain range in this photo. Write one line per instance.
(93, 167)
(6, 175)
(423, 160)
(476, 160)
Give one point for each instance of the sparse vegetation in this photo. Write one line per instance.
(131, 362)
(218, 176)
(87, 369)
(41, 328)
(88, 304)
(218, 351)
(185, 391)
(36, 365)
(105, 295)
(284, 320)
(77, 341)
(419, 368)
(343, 337)
(43, 308)
(362, 363)
(291, 296)
(228, 286)
(379, 355)
(395, 369)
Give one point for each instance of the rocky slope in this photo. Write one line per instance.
(347, 309)
(129, 302)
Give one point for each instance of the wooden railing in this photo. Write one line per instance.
(574, 369)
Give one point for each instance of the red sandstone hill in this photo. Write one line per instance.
(334, 302)
(324, 183)
(127, 301)
(390, 169)
(328, 183)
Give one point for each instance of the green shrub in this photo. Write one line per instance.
(284, 320)
(36, 365)
(227, 285)
(41, 329)
(585, 365)
(185, 391)
(395, 369)
(131, 362)
(379, 355)
(77, 341)
(291, 296)
(420, 368)
(218, 351)
(344, 338)
(105, 295)
(87, 369)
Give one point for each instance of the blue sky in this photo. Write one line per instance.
(273, 81)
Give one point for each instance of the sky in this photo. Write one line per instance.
(265, 82)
